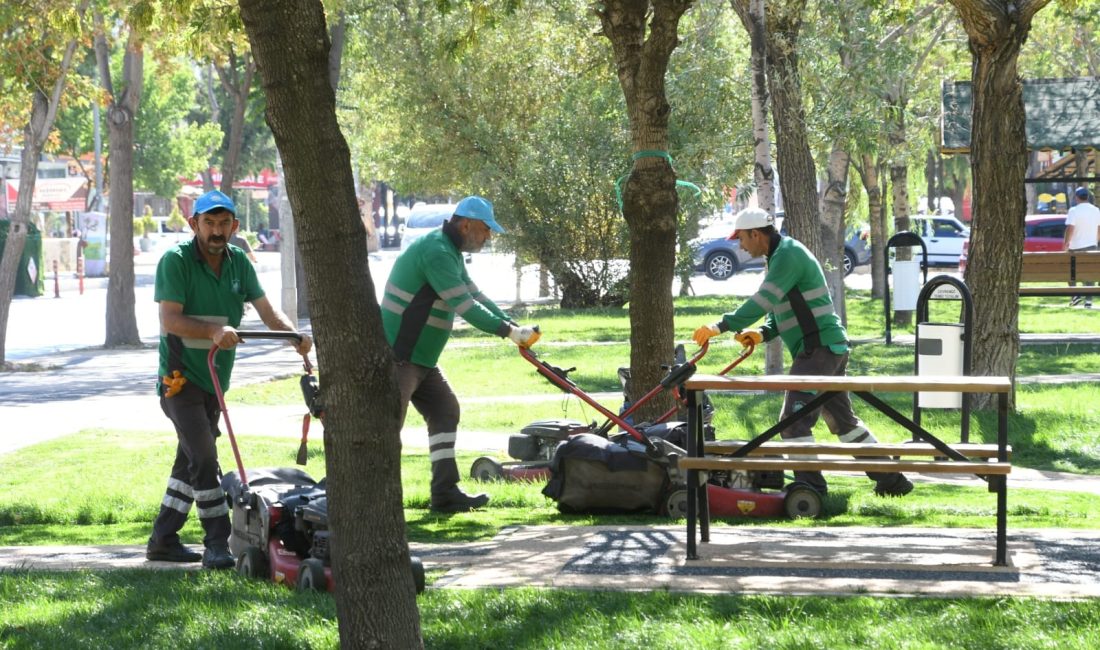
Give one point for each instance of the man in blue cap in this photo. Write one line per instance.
(1082, 233)
(202, 286)
(428, 285)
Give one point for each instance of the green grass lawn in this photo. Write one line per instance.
(104, 487)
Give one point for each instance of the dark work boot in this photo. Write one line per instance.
(891, 485)
(455, 500)
(217, 556)
(170, 553)
(814, 480)
(446, 496)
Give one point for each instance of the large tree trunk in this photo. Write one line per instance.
(42, 115)
(649, 196)
(998, 155)
(797, 175)
(121, 318)
(375, 594)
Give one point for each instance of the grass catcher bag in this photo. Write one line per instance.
(591, 474)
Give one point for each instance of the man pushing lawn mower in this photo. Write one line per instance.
(798, 308)
(428, 285)
(202, 286)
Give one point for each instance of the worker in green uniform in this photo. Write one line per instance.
(427, 287)
(796, 306)
(202, 286)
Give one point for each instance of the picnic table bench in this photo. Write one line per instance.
(928, 455)
(1062, 267)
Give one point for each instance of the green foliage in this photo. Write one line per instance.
(176, 222)
(145, 223)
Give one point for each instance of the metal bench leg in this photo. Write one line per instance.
(693, 442)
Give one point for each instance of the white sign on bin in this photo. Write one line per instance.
(940, 352)
(906, 284)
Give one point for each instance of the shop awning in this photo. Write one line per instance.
(57, 194)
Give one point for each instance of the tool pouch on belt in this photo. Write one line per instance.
(173, 384)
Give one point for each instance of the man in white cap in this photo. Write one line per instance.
(427, 287)
(1082, 233)
(797, 307)
(202, 286)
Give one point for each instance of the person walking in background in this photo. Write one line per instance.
(795, 303)
(1082, 233)
(202, 286)
(427, 287)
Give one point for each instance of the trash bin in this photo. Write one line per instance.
(30, 275)
(940, 352)
(906, 284)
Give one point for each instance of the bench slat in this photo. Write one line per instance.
(1055, 266)
(841, 465)
(1060, 291)
(971, 450)
(888, 384)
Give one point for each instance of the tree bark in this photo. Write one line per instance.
(797, 174)
(42, 115)
(752, 15)
(650, 202)
(834, 203)
(869, 173)
(238, 85)
(998, 155)
(121, 112)
(375, 594)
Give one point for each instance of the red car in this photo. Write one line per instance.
(1042, 232)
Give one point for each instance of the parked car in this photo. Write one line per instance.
(943, 235)
(1042, 232)
(719, 257)
(424, 218)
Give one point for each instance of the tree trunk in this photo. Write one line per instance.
(834, 202)
(998, 155)
(42, 115)
(869, 173)
(899, 179)
(752, 15)
(121, 318)
(797, 175)
(237, 86)
(650, 202)
(375, 594)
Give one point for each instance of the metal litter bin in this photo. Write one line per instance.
(940, 352)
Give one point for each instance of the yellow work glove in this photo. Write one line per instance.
(749, 337)
(173, 384)
(705, 333)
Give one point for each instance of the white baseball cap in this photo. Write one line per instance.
(750, 218)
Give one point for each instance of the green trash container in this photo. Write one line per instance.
(30, 278)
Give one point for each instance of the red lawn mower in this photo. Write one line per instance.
(280, 515)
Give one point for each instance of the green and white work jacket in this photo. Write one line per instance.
(796, 301)
(428, 285)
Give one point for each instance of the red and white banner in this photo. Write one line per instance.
(57, 194)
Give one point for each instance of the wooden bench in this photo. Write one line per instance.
(1061, 267)
(931, 455)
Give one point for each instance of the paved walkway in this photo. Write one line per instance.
(738, 560)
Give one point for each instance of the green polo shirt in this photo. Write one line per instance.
(183, 276)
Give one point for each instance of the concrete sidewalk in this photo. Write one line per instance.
(738, 560)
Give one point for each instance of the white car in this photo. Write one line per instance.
(943, 236)
(424, 218)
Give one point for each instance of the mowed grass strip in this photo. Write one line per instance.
(168, 610)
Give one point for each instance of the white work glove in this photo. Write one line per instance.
(524, 337)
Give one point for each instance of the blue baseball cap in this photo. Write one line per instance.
(212, 201)
(475, 207)
(1082, 193)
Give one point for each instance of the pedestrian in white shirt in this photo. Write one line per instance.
(1082, 233)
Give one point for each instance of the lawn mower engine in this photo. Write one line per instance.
(532, 448)
(280, 529)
